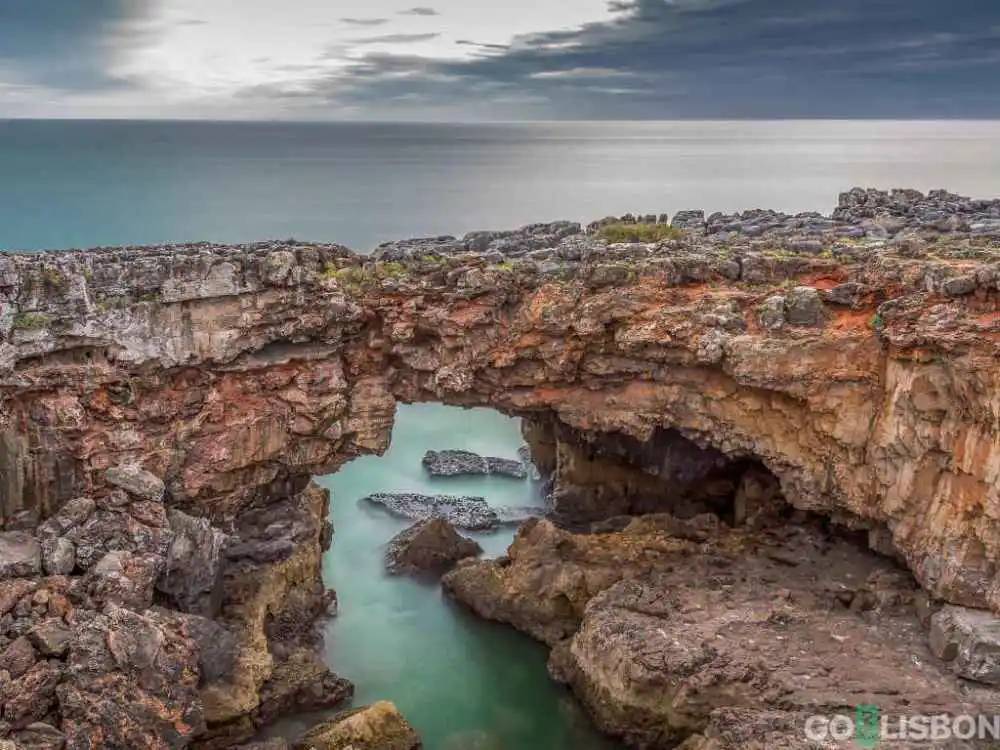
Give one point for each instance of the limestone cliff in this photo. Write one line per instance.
(855, 356)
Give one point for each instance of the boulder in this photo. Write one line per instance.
(193, 572)
(959, 286)
(804, 307)
(18, 657)
(20, 555)
(969, 639)
(377, 727)
(431, 545)
(51, 637)
(71, 514)
(124, 579)
(772, 313)
(136, 481)
(58, 556)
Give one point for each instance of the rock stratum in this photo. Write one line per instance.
(853, 357)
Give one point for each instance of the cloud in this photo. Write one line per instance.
(397, 38)
(419, 11)
(708, 58)
(644, 59)
(68, 45)
(364, 21)
(581, 72)
(485, 46)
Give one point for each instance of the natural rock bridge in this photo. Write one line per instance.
(855, 357)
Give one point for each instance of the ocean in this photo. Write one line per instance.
(85, 183)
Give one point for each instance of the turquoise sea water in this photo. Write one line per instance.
(80, 184)
(464, 683)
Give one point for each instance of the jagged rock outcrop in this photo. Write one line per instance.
(87, 658)
(854, 356)
(428, 546)
(379, 726)
(669, 628)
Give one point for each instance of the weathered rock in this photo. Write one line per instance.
(131, 682)
(462, 511)
(51, 637)
(193, 573)
(18, 657)
(804, 307)
(376, 727)
(136, 481)
(431, 545)
(958, 286)
(969, 640)
(217, 645)
(663, 628)
(30, 697)
(124, 579)
(70, 515)
(452, 463)
(772, 313)
(58, 556)
(40, 736)
(20, 555)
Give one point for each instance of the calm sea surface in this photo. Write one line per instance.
(80, 184)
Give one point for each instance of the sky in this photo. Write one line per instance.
(467, 60)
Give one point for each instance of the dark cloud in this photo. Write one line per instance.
(483, 45)
(419, 11)
(66, 44)
(396, 38)
(364, 21)
(710, 58)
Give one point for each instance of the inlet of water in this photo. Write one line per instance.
(464, 683)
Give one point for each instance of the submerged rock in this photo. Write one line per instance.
(451, 463)
(379, 726)
(463, 511)
(431, 545)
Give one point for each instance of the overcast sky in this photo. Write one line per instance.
(499, 60)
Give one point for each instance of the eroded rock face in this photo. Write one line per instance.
(670, 629)
(854, 356)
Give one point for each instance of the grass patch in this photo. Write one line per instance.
(352, 279)
(31, 321)
(638, 232)
(390, 269)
